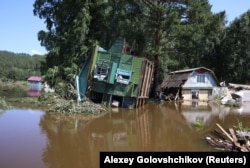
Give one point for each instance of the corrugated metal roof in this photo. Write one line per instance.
(35, 78)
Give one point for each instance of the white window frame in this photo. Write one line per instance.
(201, 79)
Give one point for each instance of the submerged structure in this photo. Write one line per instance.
(190, 84)
(114, 77)
(34, 85)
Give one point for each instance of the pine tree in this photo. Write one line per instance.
(235, 50)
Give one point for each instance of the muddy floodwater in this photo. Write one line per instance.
(32, 138)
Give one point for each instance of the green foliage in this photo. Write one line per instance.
(175, 34)
(199, 124)
(67, 25)
(3, 104)
(19, 66)
(65, 90)
(235, 51)
(197, 35)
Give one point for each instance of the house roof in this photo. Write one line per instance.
(175, 80)
(35, 78)
(178, 78)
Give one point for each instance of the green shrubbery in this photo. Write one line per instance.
(3, 104)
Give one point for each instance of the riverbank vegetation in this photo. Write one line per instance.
(50, 102)
(3, 104)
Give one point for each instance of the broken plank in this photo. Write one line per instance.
(228, 136)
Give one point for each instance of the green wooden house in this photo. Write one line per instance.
(114, 77)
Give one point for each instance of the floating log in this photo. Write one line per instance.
(228, 141)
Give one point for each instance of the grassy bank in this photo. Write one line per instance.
(50, 102)
(3, 104)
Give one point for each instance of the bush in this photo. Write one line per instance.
(3, 104)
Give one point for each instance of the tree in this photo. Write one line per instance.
(235, 50)
(66, 37)
(19, 66)
(157, 21)
(197, 35)
(175, 34)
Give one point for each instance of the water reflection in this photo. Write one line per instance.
(68, 141)
(75, 142)
(210, 113)
(33, 93)
(21, 141)
(63, 140)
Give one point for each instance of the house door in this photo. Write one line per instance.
(195, 94)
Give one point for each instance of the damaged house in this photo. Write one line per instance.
(114, 77)
(190, 84)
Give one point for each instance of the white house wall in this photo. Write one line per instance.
(192, 81)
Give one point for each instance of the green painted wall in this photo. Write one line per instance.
(127, 62)
(137, 67)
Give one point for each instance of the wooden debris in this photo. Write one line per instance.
(221, 139)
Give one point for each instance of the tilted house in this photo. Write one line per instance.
(190, 84)
(115, 78)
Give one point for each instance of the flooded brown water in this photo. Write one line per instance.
(32, 138)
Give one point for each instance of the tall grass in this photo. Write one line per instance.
(3, 104)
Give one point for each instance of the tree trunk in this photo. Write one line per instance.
(157, 64)
(156, 76)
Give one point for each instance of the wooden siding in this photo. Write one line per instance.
(137, 68)
(192, 81)
(145, 82)
(203, 94)
(139, 84)
(115, 75)
(127, 62)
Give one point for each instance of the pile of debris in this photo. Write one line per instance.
(56, 103)
(235, 141)
(70, 106)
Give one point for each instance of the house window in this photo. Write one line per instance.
(200, 78)
(123, 76)
(101, 71)
(195, 94)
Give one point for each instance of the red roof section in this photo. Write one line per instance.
(35, 78)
